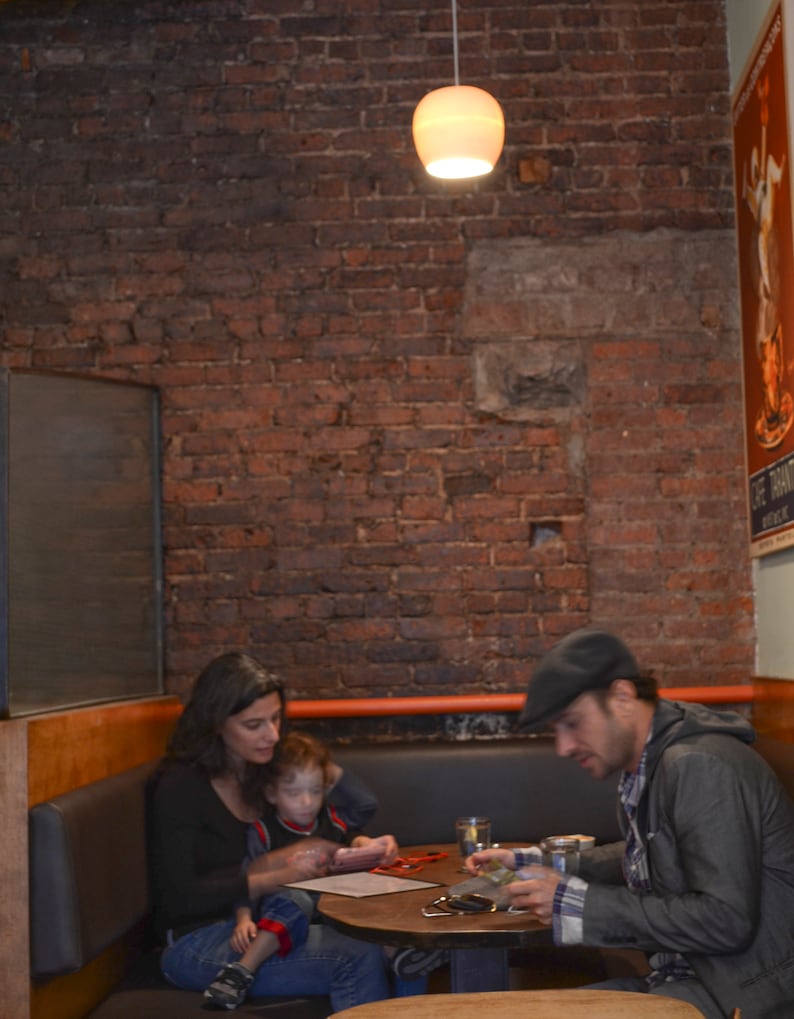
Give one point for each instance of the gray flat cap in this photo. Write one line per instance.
(587, 659)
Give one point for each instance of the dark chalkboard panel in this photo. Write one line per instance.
(80, 547)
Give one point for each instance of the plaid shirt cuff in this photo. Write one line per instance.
(568, 916)
(525, 857)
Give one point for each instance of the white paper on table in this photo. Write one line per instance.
(360, 884)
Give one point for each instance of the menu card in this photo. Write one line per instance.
(360, 884)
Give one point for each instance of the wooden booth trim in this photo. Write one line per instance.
(69, 749)
(773, 707)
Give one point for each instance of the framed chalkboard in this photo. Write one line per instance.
(80, 545)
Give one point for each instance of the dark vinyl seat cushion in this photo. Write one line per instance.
(171, 1003)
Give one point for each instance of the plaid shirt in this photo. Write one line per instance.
(569, 898)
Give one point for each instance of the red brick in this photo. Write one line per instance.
(266, 249)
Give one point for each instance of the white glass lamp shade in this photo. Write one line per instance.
(458, 132)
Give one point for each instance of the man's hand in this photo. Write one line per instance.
(478, 860)
(537, 893)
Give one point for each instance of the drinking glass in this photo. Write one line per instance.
(560, 853)
(473, 833)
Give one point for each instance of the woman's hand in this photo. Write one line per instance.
(478, 860)
(278, 858)
(537, 893)
(278, 867)
(307, 863)
(388, 844)
(242, 935)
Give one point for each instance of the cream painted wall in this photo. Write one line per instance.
(773, 575)
(745, 18)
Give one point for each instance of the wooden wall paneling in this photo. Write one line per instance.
(68, 749)
(74, 995)
(14, 929)
(773, 707)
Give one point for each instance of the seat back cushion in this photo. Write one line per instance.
(88, 870)
(520, 783)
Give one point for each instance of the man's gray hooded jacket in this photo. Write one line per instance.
(718, 829)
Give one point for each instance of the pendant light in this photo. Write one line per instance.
(458, 130)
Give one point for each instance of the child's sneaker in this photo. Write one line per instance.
(230, 986)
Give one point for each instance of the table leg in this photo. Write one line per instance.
(478, 969)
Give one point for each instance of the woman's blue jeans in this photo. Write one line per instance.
(350, 972)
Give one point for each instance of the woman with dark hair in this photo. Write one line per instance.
(208, 792)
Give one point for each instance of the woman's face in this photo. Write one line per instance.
(251, 735)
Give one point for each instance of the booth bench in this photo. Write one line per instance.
(89, 886)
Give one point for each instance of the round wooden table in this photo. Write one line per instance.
(478, 943)
(566, 1004)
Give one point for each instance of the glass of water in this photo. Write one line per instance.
(561, 853)
(473, 834)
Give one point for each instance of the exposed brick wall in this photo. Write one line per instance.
(221, 198)
(622, 356)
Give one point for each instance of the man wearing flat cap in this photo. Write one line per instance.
(704, 879)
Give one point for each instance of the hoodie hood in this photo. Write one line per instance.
(674, 721)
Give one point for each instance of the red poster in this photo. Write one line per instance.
(762, 170)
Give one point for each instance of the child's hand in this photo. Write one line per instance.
(242, 935)
(388, 843)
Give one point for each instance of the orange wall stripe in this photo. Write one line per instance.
(368, 707)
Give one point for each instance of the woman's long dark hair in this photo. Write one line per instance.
(228, 685)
